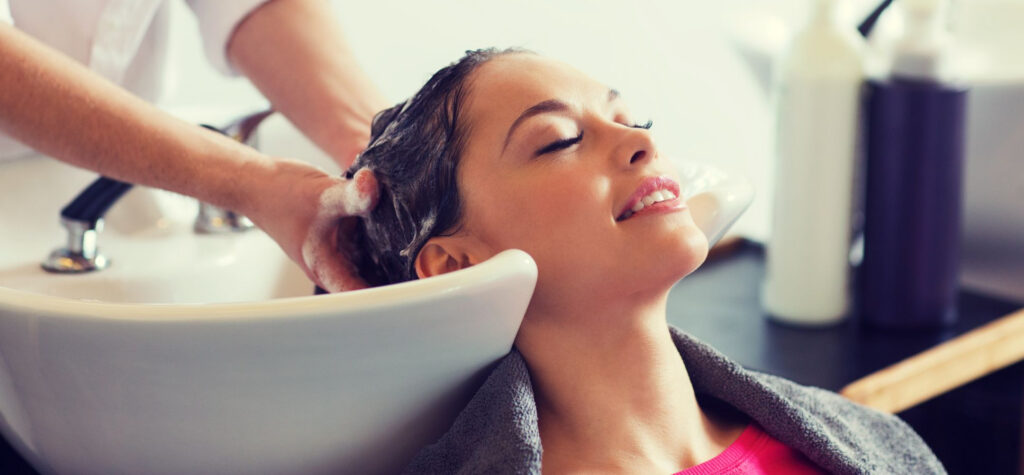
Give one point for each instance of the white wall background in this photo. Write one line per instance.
(686, 64)
(672, 60)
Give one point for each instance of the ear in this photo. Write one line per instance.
(441, 255)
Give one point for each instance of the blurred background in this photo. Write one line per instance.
(701, 70)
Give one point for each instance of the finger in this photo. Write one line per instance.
(365, 192)
(355, 197)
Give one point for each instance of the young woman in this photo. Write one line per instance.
(507, 149)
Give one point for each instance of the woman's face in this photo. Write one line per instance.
(552, 160)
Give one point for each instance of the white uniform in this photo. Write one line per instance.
(124, 41)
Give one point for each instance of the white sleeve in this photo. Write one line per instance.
(217, 22)
(5, 13)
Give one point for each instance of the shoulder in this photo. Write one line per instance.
(874, 441)
(838, 434)
(496, 432)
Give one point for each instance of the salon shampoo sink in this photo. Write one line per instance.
(208, 354)
(343, 383)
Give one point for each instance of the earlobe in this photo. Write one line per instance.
(441, 257)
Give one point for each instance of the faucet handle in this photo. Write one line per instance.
(81, 253)
(216, 220)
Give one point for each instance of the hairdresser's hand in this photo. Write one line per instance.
(303, 209)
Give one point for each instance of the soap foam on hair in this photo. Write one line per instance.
(352, 198)
(349, 198)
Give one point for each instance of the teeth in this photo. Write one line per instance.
(654, 197)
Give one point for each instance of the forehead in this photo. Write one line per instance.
(505, 86)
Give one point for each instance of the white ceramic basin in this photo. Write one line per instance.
(352, 383)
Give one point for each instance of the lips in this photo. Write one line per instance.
(654, 189)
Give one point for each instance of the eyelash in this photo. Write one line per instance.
(645, 125)
(569, 142)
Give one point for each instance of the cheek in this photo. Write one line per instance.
(560, 221)
(543, 212)
(566, 223)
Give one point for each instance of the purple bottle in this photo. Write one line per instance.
(914, 134)
(909, 276)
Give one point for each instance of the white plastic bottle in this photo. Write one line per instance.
(818, 95)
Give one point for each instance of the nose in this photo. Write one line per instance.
(635, 147)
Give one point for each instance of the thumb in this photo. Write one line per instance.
(330, 269)
(355, 197)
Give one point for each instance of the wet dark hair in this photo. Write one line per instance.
(414, 152)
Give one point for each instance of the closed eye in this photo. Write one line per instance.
(559, 145)
(569, 142)
(645, 125)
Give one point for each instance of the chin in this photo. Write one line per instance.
(654, 266)
(685, 254)
(662, 265)
(697, 243)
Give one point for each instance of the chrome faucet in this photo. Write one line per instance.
(81, 253)
(83, 217)
(214, 219)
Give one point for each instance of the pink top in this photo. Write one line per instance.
(754, 453)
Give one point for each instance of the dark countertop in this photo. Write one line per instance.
(972, 429)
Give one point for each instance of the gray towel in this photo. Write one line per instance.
(497, 432)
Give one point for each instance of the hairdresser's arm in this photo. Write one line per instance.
(58, 107)
(295, 54)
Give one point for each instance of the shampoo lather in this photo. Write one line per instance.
(818, 94)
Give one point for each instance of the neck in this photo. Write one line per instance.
(614, 393)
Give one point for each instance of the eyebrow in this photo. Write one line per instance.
(550, 105)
